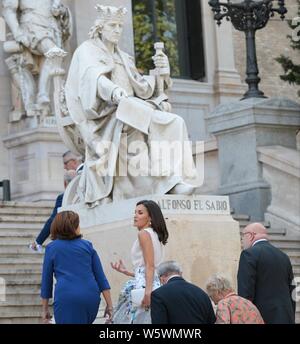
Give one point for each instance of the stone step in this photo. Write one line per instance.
(25, 263)
(27, 205)
(23, 254)
(19, 241)
(240, 217)
(296, 271)
(23, 219)
(284, 238)
(20, 270)
(13, 235)
(11, 211)
(20, 276)
(295, 262)
(20, 311)
(12, 249)
(23, 282)
(243, 223)
(18, 227)
(293, 254)
(21, 300)
(23, 320)
(287, 246)
(23, 289)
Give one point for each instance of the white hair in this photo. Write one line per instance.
(169, 267)
(218, 283)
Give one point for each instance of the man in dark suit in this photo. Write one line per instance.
(73, 166)
(265, 277)
(177, 301)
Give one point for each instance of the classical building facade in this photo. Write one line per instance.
(250, 148)
(31, 147)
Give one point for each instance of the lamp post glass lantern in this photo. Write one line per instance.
(248, 16)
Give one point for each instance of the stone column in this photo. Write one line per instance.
(219, 51)
(240, 128)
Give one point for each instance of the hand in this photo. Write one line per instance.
(120, 267)
(161, 61)
(20, 37)
(108, 313)
(146, 301)
(118, 94)
(46, 317)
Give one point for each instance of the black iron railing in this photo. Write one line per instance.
(5, 184)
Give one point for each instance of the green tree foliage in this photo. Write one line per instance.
(145, 35)
(292, 70)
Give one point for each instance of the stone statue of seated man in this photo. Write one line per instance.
(133, 147)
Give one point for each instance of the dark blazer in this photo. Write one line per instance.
(180, 302)
(265, 277)
(45, 232)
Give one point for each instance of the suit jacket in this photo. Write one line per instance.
(180, 302)
(265, 277)
(45, 232)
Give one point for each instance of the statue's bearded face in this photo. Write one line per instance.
(112, 31)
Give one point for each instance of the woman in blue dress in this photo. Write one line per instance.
(78, 272)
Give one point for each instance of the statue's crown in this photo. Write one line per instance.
(111, 13)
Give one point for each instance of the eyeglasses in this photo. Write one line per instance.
(248, 233)
(66, 162)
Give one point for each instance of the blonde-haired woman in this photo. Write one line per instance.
(231, 308)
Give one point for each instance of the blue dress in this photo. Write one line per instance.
(79, 280)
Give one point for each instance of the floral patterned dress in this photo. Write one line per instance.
(125, 312)
(234, 309)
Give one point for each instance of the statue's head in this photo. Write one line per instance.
(109, 23)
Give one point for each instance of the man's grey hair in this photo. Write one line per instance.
(218, 283)
(168, 268)
(72, 155)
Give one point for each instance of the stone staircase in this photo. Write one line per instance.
(287, 242)
(21, 269)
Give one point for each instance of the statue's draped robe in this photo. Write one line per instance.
(88, 97)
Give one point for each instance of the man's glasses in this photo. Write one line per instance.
(248, 233)
(66, 162)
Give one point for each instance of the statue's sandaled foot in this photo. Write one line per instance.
(182, 189)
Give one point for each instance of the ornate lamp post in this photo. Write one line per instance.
(248, 16)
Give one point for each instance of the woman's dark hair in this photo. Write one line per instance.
(64, 226)
(157, 220)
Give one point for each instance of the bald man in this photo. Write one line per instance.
(265, 276)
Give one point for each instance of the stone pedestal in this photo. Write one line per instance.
(241, 127)
(203, 237)
(35, 162)
(281, 169)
